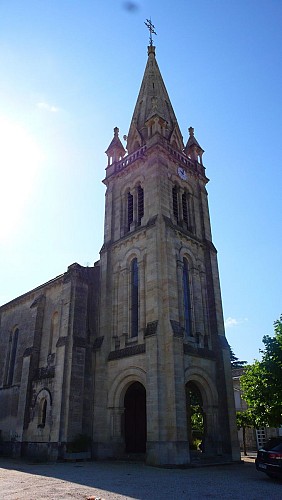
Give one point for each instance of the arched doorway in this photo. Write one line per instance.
(195, 417)
(135, 429)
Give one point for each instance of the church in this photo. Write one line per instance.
(124, 354)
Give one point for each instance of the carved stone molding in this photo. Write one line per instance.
(127, 351)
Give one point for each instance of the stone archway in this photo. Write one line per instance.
(206, 397)
(196, 421)
(135, 429)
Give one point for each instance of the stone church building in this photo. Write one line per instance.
(119, 352)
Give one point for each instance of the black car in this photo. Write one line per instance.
(269, 458)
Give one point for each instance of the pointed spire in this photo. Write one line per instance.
(153, 111)
(115, 151)
(193, 148)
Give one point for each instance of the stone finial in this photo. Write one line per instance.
(151, 50)
(115, 151)
(193, 148)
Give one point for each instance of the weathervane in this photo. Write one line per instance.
(151, 28)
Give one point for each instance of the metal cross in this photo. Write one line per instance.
(151, 28)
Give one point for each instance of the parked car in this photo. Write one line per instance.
(269, 458)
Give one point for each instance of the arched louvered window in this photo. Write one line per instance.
(140, 205)
(186, 298)
(175, 203)
(134, 298)
(185, 209)
(135, 208)
(129, 210)
(12, 356)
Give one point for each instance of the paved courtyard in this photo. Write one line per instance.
(127, 480)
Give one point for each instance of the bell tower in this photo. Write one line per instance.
(162, 337)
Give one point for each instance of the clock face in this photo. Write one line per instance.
(182, 173)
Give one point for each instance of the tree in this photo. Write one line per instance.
(261, 382)
(235, 363)
(244, 419)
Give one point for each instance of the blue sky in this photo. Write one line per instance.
(71, 71)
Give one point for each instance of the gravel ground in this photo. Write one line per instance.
(127, 480)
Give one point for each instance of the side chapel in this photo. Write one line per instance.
(121, 351)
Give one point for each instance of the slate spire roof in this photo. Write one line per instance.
(153, 101)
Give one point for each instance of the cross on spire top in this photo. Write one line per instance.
(151, 28)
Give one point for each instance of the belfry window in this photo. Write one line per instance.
(129, 210)
(182, 205)
(188, 211)
(186, 299)
(140, 204)
(12, 357)
(135, 208)
(134, 298)
(175, 203)
(185, 208)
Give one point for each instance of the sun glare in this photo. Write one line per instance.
(20, 158)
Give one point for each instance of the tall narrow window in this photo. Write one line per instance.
(12, 356)
(42, 413)
(129, 210)
(185, 208)
(53, 331)
(175, 202)
(140, 204)
(186, 298)
(134, 298)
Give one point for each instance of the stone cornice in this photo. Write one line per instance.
(131, 235)
(117, 167)
(198, 351)
(31, 294)
(127, 351)
(181, 230)
(162, 145)
(210, 246)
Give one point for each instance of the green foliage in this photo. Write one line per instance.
(197, 421)
(195, 444)
(244, 419)
(235, 363)
(261, 382)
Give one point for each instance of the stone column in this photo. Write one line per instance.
(212, 435)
